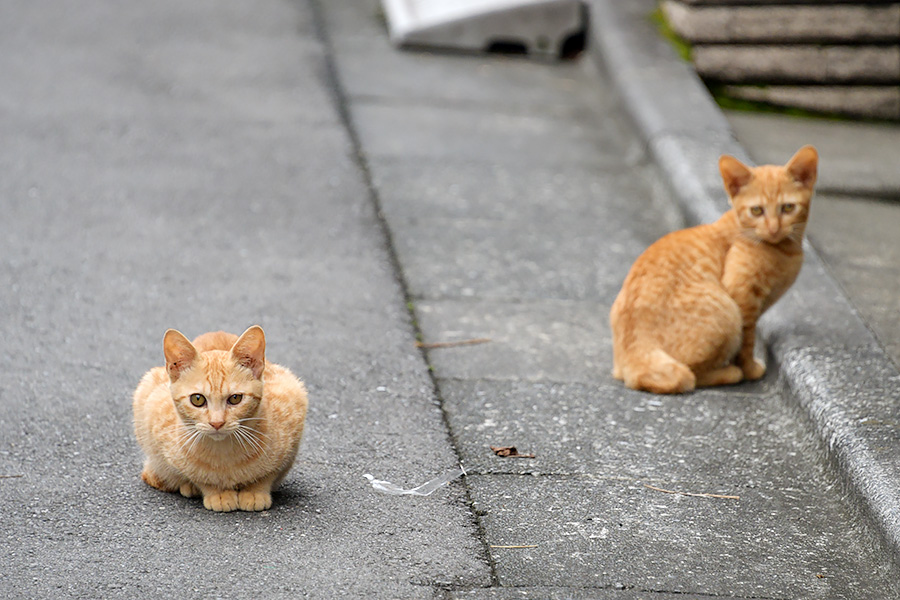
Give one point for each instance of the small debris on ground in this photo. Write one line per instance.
(509, 452)
(471, 342)
(425, 489)
(723, 496)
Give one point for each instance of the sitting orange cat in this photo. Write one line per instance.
(686, 315)
(219, 420)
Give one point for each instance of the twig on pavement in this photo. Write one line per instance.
(652, 487)
(471, 342)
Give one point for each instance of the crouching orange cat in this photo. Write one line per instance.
(686, 315)
(219, 420)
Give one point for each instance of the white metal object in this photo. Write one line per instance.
(538, 26)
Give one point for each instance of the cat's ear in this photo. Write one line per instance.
(803, 166)
(735, 174)
(180, 353)
(250, 350)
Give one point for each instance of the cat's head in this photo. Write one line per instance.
(217, 392)
(772, 202)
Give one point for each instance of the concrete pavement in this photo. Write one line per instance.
(217, 165)
(183, 165)
(529, 254)
(838, 375)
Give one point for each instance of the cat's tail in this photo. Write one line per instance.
(656, 371)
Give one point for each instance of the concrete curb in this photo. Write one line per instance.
(834, 368)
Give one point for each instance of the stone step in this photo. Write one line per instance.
(844, 23)
(870, 102)
(797, 64)
(783, 2)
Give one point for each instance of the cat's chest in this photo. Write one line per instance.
(220, 467)
(761, 273)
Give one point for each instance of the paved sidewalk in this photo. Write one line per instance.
(173, 164)
(834, 370)
(517, 197)
(216, 164)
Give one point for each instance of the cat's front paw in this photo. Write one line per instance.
(225, 501)
(754, 370)
(249, 500)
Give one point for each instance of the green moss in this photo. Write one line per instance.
(728, 102)
(681, 45)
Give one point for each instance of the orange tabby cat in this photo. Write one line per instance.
(686, 315)
(219, 420)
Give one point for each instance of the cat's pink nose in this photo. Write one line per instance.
(217, 425)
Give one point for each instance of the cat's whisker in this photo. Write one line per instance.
(251, 435)
(240, 439)
(182, 432)
(187, 438)
(254, 438)
(246, 442)
(195, 439)
(256, 432)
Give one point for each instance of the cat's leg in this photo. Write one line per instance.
(617, 369)
(617, 335)
(150, 477)
(189, 490)
(160, 476)
(708, 336)
(724, 376)
(752, 297)
(258, 495)
(751, 368)
(219, 500)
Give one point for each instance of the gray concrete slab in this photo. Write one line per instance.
(423, 190)
(190, 166)
(450, 79)
(589, 532)
(551, 340)
(715, 440)
(478, 266)
(858, 240)
(857, 158)
(467, 135)
(823, 394)
(494, 231)
(185, 166)
(615, 592)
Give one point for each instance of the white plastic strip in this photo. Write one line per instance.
(423, 490)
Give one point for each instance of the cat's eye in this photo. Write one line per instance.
(198, 400)
(235, 398)
(788, 208)
(756, 211)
